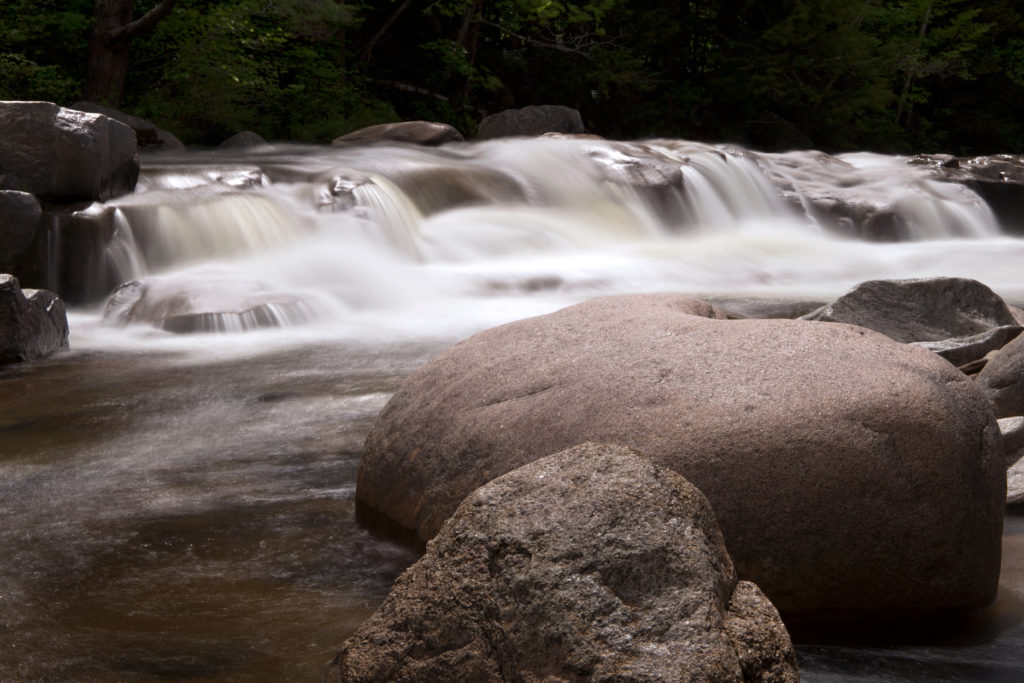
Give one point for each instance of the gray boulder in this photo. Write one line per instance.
(246, 138)
(65, 155)
(426, 133)
(19, 219)
(1002, 379)
(960, 319)
(850, 474)
(529, 121)
(147, 135)
(590, 564)
(33, 323)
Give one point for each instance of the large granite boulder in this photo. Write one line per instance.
(148, 136)
(33, 323)
(958, 318)
(1002, 379)
(65, 155)
(426, 133)
(590, 564)
(850, 473)
(529, 121)
(19, 220)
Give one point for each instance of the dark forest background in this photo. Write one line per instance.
(884, 75)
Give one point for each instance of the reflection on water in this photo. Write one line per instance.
(165, 518)
(987, 646)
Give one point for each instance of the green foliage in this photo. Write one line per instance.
(881, 74)
(218, 68)
(41, 48)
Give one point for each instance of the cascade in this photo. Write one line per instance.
(349, 237)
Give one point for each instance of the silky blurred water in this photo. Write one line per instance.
(181, 506)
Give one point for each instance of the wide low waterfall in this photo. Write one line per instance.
(400, 240)
(178, 490)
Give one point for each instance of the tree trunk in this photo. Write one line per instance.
(112, 33)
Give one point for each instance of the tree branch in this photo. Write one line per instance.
(144, 23)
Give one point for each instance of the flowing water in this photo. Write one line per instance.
(181, 506)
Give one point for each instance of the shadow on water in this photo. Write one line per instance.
(987, 645)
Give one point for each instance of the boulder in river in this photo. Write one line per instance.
(590, 564)
(426, 133)
(33, 323)
(65, 155)
(212, 305)
(246, 138)
(530, 121)
(850, 474)
(958, 318)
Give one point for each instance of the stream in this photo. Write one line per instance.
(178, 489)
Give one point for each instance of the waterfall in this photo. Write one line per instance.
(455, 238)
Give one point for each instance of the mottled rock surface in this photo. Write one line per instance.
(33, 323)
(849, 473)
(590, 564)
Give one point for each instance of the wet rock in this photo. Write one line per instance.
(426, 133)
(590, 564)
(997, 178)
(956, 317)
(147, 134)
(33, 323)
(1002, 379)
(529, 121)
(19, 220)
(65, 155)
(817, 444)
(246, 138)
(209, 306)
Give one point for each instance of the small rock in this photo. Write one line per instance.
(33, 323)
(425, 133)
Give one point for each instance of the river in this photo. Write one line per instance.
(181, 506)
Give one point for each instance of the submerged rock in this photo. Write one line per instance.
(416, 132)
(590, 564)
(33, 323)
(850, 474)
(211, 306)
(65, 155)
